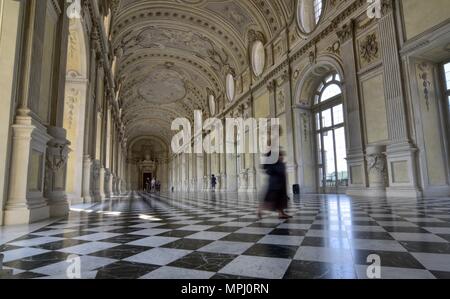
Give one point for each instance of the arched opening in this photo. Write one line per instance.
(320, 114)
(148, 160)
(309, 13)
(75, 107)
(329, 131)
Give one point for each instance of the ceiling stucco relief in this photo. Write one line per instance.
(162, 86)
(234, 13)
(173, 54)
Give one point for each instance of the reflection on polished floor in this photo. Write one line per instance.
(207, 235)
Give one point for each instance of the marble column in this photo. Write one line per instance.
(10, 34)
(101, 186)
(87, 171)
(284, 102)
(108, 152)
(401, 153)
(223, 173)
(355, 143)
(56, 167)
(26, 203)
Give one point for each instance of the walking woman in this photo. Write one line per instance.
(276, 198)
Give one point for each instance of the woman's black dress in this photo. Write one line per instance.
(276, 197)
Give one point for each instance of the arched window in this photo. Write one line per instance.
(212, 104)
(318, 6)
(258, 57)
(309, 13)
(231, 87)
(330, 135)
(447, 82)
(328, 89)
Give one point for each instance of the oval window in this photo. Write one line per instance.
(212, 104)
(258, 58)
(308, 14)
(230, 87)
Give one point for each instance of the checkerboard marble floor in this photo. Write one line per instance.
(208, 235)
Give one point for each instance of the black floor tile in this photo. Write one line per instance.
(319, 270)
(37, 261)
(124, 270)
(270, 250)
(187, 244)
(204, 261)
(120, 252)
(235, 237)
(288, 232)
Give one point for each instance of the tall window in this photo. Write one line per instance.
(308, 14)
(447, 83)
(330, 136)
(317, 10)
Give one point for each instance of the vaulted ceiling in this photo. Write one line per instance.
(172, 54)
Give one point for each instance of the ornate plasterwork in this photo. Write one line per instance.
(424, 72)
(369, 49)
(162, 86)
(71, 102)
(229, 51)
(376, 163)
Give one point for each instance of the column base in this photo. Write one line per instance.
(25, 215)
(367, 192)
(102, 195)
(59, 209)
(405, 192)
(87, 199)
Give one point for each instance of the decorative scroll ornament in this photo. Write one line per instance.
(377, 163)
(335, 48)
(346, 32)
(423, 75)
(369, 48)
(95, 171)
(313, 55)
(280, 102)
(305, 120)
(58, 156)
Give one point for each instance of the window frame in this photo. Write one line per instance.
(446, 93)
(444, 77)
(317, 109)
(317, 18)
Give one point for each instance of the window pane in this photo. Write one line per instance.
(330, 171)
(319, 150)
(320, 87)
(316, 99)
(447, 75)
(341, 154)
(326, 118)
(330, 92)
(338, 114)
(317, 121)
(320, 177)
(338, 78)
(317, 10)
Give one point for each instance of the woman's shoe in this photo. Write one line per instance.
(259, 216)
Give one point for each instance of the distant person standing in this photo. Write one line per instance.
(147, 185)
(276, 198)
(213, 182)
(153, 185)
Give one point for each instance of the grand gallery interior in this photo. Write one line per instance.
(89, 90)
